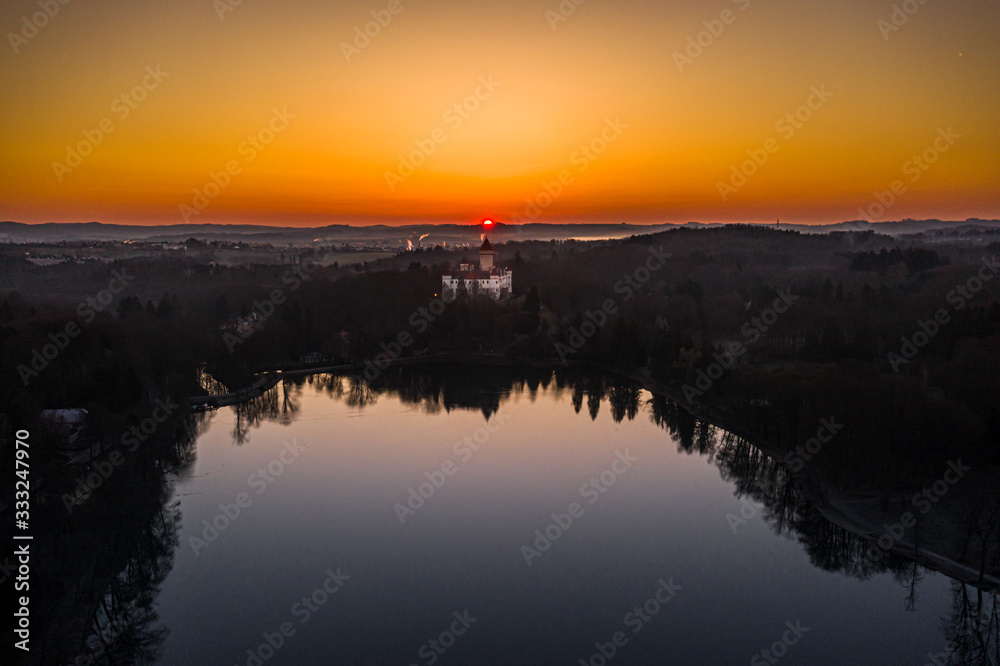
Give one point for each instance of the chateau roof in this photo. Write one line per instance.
(476, 274)
(486, 246)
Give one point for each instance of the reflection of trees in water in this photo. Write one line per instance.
(676, 420)
(182, 445)
(101, 567)
(251, 413)
(125, 629)
(622, 395)
(459, 387)
(972, 631)
(291, 401)
(594, 398)
(693, 435)
(974, 626)
(768, 485)
(331, 385)
(434, 390)
(591, 388)
(982, 523)
(359, 394)
(624, 400)
(425, 390)
(351, 389)
(577, 398)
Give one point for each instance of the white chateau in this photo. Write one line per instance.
(487, 279)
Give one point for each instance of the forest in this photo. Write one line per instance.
(904, 328)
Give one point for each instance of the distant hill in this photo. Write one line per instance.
(434, 234)
(390, 235)
(900, 227)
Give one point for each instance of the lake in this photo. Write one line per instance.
(496, 520)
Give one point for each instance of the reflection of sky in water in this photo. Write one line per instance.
(664, 518)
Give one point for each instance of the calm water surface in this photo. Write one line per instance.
(331, 507)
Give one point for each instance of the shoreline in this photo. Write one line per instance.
(832, 504)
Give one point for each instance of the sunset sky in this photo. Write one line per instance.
(533, 87)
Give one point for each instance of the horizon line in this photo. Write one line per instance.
(776, 224)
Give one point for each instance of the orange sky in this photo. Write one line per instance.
(333, 123)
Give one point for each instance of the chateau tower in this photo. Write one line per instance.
(486, 255)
